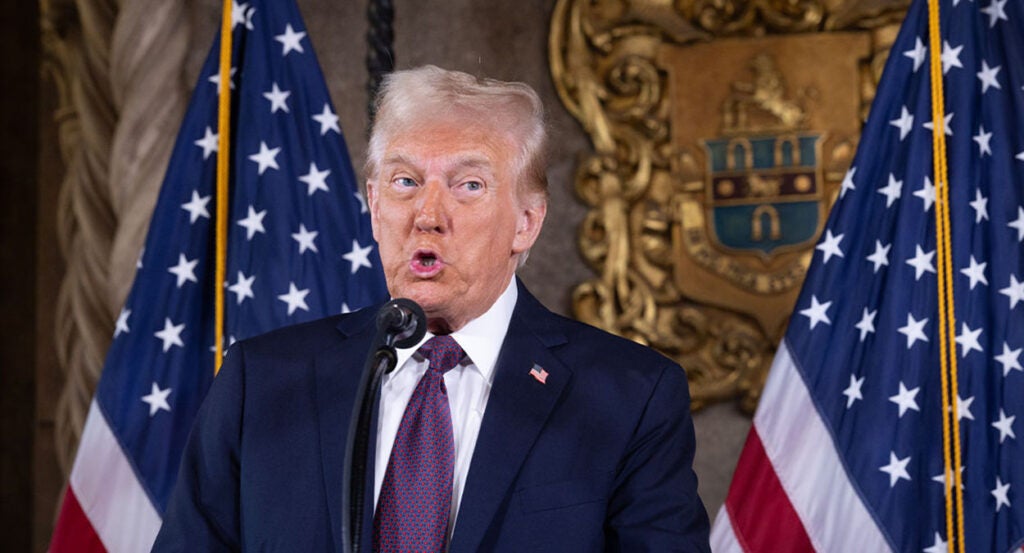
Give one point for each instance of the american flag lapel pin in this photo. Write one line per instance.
(539, 374)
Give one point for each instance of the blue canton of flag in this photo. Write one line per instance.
(299, 248)
(865, 332)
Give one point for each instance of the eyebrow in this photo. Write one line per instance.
(467, 161)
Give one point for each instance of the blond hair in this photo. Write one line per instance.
(409, 95)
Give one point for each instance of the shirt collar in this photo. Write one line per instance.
(482, 337)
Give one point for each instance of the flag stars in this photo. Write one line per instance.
(1015, 291)
(996, 11)
(315, 179)
(122, 323)
(816, 313)
(278, 99)
(947, 127)
(968, 340)
(918, 54)
(926, 193)
(1001, 493)
(922, 262)
(980, 206)
(242, 288)
(362, 202)
(215, 79)
(904, 123)
(906, 399)
(848, 183)
(1009, 359)
(941, 479)
(328, 120)
(253, 223)
(830, 246)
(157, 399)
(242, 14)
(171, 334)
(295, 298)
(185, 270)
(196, 207)
(266, 157)
(866, 325)
(892, 191)
(1020, 156)
(305, 239)
(852, 392)
(238, 13)
(208, 142)
(987, 76)
(880, 257)
(963, 408)
(983, 139)
(290, 40)
(228, 341)
(950, 57)
(359, 256)
(914, 330)
(1005, 426)
(1018, 223)
(896, 469)
(939, 546)
(975, 272)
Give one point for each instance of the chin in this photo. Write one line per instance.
(429, 294)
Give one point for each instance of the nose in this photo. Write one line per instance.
(431, 211)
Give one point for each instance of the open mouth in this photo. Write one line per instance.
(426, 263)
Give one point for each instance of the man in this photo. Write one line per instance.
(538, 434)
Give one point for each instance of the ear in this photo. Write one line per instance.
(371, 204)
(529, 222)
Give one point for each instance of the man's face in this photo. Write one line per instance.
(449, 218)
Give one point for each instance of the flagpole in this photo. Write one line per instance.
(223, 156)
(947, 316)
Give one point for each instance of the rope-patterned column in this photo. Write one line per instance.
(123, 68)
(380, 55)
(85, 218)
(147, 55)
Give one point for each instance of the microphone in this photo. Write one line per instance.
(402, 322)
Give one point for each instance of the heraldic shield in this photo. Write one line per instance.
(721, 132)
(765, 192)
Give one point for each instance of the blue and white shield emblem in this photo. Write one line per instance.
(764, 193)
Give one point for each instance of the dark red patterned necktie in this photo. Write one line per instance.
(415, 497)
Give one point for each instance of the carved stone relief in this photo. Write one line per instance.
(721, 131)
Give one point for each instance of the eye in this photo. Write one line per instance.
(473, 185)
(404, 182)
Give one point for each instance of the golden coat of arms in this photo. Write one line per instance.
(721, 133)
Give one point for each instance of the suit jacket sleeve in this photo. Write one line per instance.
(654, 505)
(203, 513)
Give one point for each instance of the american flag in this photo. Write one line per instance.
(845, 453)
(299, 248)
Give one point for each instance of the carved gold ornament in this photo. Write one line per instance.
(721, 131)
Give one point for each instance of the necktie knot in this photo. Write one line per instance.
(443, 352)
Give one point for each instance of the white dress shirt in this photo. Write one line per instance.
(468, 384)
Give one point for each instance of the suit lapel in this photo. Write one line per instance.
(338, 372)
(517, 409)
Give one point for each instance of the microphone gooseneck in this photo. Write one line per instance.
(403, 321)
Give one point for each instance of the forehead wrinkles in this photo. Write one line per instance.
(446, 163)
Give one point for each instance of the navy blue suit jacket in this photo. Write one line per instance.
(597, 458)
